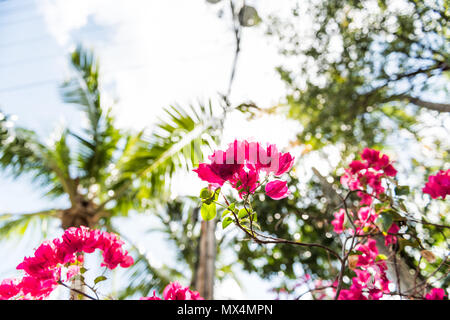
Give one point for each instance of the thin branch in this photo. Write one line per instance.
(76, 290)
(441, 107)
(269, 239)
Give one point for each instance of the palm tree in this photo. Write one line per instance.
(104, 171)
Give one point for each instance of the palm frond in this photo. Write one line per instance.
(100, 137)
(15, 225)
(176, 143)
(22, 152)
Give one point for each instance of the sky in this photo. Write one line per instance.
(152, 54)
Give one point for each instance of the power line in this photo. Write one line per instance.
(3, 6)
(97, 29)
(28, 60)
(56, 81)
(14, 13)
(32, 18)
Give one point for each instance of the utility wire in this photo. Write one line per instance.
(20, 21)
(3, 5)
(89, 30)
(55, 80)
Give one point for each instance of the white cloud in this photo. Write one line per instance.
(158, 53)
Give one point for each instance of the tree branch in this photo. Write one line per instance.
(441, 107)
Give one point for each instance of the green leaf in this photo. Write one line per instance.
(83, 270)
(232, 206)
(226, 222)
(208, 211)
(380, 206)
(248, 16)
(242, 213)
(384, 221)
(225, 212)
(205, 193)
(402, 190)
(216, 194)
(99, 279)
(381, 257)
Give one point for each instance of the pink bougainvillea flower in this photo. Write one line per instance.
(370, 155)
(369, 253)
(362, 278)
(9, 288)
(43, 270)
(175, 291)
(435, 294)
(391, 238)
(348, 179)
(338, 222)
(390, 171)
(242, 165)
(37, 289)
(206, 174)
(357, 165)
(277, 189)
(285, 163)
(366, 214)
(154, 297)
(246, 180)
(367, 175)
(438, 185)
(223, 166)
(267, 159)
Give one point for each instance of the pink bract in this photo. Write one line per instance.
(435, 294)
(175, 291)
(43, 270)
(438, 185)
(242, 165)
(277, 189)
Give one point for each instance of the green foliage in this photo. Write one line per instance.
(384, 221)
(360, 65)
(226, 222)
(208, 211)
(297, 219)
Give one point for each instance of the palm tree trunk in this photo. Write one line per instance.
(205, 270)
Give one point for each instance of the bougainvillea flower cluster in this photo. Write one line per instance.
(175, 291)
(435, 294)
(438, 185)
(43, 270)
(367, 174)
(371, 281)
(242, 165)
(364, 223)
